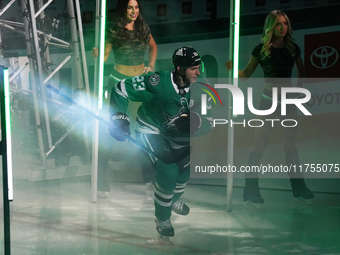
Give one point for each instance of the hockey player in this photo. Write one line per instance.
(166, 120)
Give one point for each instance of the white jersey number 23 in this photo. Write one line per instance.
(138, 83)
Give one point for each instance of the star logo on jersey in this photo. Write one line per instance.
(154, 79)
(170, 121)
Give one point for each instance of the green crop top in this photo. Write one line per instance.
(130, 50)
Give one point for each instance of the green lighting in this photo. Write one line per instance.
(236, 38)
(101, 54)
(202, 67)
(8, 135)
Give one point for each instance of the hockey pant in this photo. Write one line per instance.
(171, 179)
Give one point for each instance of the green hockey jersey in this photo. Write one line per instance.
(162, 103)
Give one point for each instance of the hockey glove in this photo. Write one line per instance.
(119, 126)
(183, 123)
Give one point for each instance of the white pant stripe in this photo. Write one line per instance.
(147, 144)
(180, 185)
(179, 190)
(163, 203)
(165, 196)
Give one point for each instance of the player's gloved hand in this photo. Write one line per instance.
(183, 122)
(119, 126)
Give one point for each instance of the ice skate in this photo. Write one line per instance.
(180, 208)
(165, 230)
(164, 239)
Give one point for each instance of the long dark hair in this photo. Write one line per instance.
(120, 21)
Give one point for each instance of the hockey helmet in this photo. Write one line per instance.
(186, 57)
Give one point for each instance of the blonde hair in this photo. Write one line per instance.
(268, 32)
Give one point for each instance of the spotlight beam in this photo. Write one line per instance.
(167, 160)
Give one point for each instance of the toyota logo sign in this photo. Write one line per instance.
(324, 57)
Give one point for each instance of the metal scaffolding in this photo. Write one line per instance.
(38, 42)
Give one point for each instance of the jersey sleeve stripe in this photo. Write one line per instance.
(121, 89)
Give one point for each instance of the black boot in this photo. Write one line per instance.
(251, 193)
(300, 191)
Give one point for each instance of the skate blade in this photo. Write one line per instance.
(179, 212)
(300, 200)
(102, 194)
(164, 239)
(253, 205)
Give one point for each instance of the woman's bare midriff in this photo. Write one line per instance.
(130, 70)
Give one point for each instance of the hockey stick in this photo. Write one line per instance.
(168, 160)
